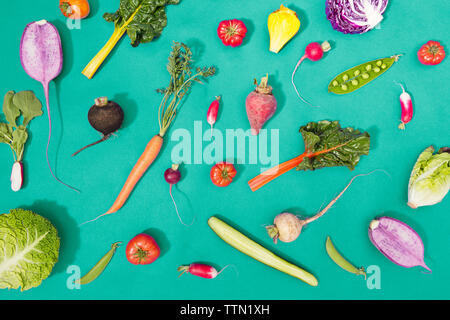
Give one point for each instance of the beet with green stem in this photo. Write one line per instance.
(106, 117)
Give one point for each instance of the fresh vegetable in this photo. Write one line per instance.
(260, 104)
(211, 116)
(172, 177)
(99, 266)
(397, 241)
(407, 108)
(232, 32)
(429, 182)
(200, 270)
(42, 59)
(141, 20)
(314, 52)
(326, 145)
(283, 24)
(142, 249)
(181, 80)
(247, 246)
(356, 77)
(15, 135)
(355, 16)
(431, 53)
(106, 117)
(222, 173)
(74, 9)
(334, 254)
(29, 248)
(287, 227)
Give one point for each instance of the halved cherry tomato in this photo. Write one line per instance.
(142, 249)
(232, 32)
(74, 9)
(431, 53)
(222, 174)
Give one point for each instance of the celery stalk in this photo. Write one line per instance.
(240, 242)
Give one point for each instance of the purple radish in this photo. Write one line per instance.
(398, 242)
(172, 177)
(41, 57)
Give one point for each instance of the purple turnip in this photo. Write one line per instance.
(398, 242)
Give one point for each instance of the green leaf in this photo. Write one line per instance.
(20, 137)
(338, 146)
(11, 111)
(29, 248)
(148, 18)
(6, 132)
(28, 104)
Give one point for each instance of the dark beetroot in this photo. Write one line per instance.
(106, 117)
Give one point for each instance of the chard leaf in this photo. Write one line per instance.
(337, 146)
(143, 19)
(11, 111)
(29, 248)
(28, 104)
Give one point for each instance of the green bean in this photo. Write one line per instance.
(363, 73)
(100, 266)
(341, 261)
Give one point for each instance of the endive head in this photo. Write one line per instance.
(283, 24)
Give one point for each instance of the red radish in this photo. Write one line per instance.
(17, 176)
(260, 105)
(314, 52)
(213, 110)
(200, 270)
(173, 176)
(407, 107)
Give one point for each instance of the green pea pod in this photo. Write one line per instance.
(356, 77)
(100, 266)
(341, 261)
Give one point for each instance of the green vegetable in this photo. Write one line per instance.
(142, 20)
(341, 261)
(15, 135)
(247, 246)
(334, 146)
(362, 75)
(430, 178)
(29, 248)
(100, 266)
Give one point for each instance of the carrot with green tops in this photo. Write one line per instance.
(182, 77)
(326, 145)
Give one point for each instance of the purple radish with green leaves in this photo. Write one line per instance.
(398, 242)
(42, 59)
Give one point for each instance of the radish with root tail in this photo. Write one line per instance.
(287, 226)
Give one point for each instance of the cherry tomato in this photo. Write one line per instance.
(222, 174)
(231, 32)
(74, 9)
(431, 53)
(142, 249)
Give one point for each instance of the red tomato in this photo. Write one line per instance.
(222, 174)
(431, 53)
(232, 32)
(142, 249)
(74, 9)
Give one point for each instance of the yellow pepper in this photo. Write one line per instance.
(283, 24)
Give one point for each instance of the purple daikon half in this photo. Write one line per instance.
(398, 242)
(42, 59)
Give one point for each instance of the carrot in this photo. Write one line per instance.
(181, 80)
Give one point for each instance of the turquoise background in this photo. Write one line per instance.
(130, 77)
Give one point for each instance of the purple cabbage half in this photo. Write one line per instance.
(398, 242)
(355, 16)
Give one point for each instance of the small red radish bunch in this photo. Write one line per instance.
(211, 116)
(260, 105)
(407, 107)
(200, 270)
(314, 52)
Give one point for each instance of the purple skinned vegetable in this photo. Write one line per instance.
(172, 177)
(41, 57)
(398, 242)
